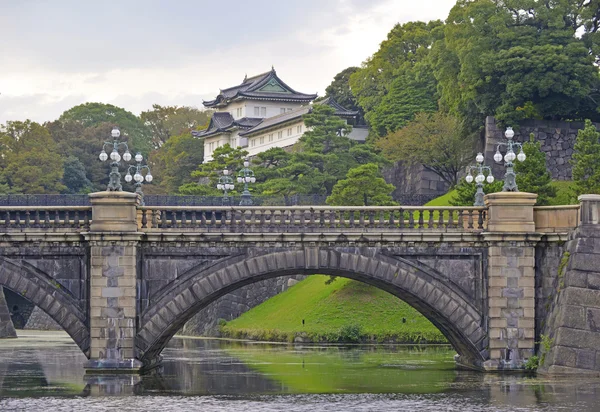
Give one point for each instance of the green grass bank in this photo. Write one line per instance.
(343, 311)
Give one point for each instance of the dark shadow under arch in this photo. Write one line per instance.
(45, 292)
(440, 302)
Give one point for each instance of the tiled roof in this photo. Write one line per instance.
(224, 121)
(339, 109)
(250, 88)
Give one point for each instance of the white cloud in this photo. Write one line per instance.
(145, 58)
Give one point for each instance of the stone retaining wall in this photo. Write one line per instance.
(557, 140)
(573, 317)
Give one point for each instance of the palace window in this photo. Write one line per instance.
(263, 112)
(256, 111)
(299, 129)
(262, 140)
(271, 137)
(282, 110)
(279, 135)
(253, 142)
(290, 131)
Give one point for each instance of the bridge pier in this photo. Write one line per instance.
(114, 241)
(511, 279)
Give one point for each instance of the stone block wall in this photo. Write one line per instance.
(573, 320)
(414, 179)
(557, 140)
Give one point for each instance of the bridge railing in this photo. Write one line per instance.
(257, 219)
(555, 219)
(57, 218)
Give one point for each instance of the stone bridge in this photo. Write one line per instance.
(122, 279)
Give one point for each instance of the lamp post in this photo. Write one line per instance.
(480, 178)
(246, 176)
(114, 182)
(225, 184)
(510, 183)
(138, 177)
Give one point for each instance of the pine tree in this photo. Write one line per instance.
(533, 175)
(586, 160)
(465, 192)
(363, 186)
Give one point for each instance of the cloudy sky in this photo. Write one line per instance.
(55, 54)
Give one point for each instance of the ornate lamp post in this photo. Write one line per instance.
(114, 183)
(225, 184)
(510, 183)
(138, 177)
(246, 176)
(480, 178)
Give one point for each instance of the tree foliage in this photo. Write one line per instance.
(465, 192)
(132, 127)
(586, 160)
(516, 59)
(398, 74)
(224, 157)
(174, 162)
(29, 159)
(167, 121)
(339, 89)
(533, 175)
(435, 140)
(364, 186)
(74, 177)
(85, 144)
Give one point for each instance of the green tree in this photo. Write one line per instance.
(167, 121)
(29, 159)
(364, 186)
(339, 90)
(465, 192)
(516, 59)
(533, 175)
(174, 162)
(325, 133)
(435, 140)
(74, 176)
(224, 157)
(132, 127)
(84, 143)
(398, 80)
(586, 160)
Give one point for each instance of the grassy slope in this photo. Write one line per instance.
(327, 309)
(563, 196)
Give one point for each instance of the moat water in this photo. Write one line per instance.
(42, 371)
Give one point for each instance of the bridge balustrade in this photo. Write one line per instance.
(317, 218)
(56, 218)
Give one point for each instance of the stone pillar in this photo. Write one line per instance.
(114, 244)
(511, 279)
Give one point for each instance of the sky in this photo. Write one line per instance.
(55, 54)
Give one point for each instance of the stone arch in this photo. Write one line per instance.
(43, 291)
(440, 302)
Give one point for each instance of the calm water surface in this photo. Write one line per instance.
(42, 371)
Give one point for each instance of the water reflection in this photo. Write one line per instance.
(45, 369)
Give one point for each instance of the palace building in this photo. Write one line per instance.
(260, 113)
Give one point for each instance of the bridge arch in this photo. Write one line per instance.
(43, 291)
(440, 302)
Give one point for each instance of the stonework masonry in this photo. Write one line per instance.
(556, 138)
(571, 342)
